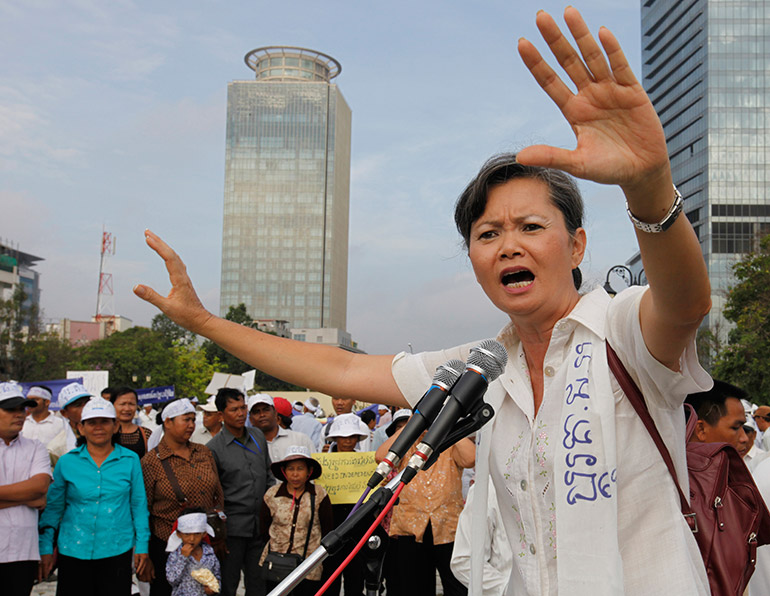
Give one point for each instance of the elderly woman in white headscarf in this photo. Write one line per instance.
(178, 474)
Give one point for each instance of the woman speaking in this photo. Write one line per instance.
(587, 503)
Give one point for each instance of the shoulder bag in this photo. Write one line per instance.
(726, 511)
(216, 519)
(277, 566)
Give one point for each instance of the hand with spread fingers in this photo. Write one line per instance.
(619, 137)
(182, 304)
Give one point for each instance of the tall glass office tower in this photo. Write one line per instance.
(706, 67)
(287, 184)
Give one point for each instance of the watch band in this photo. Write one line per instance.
(665, 223)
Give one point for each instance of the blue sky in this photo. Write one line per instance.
(113, 114)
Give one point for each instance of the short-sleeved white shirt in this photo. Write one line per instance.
(45, 430)
(658, 551)
(20, 460)
(285, 439)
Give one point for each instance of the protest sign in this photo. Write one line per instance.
(345, 474)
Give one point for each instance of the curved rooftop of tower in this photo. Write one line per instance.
(289, 63)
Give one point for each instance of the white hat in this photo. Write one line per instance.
(71, 393)
(209, 406)
(382, 407)
(347, 425)
(189, 523)
(311, 407)
(177, 408)
(38, 391)
(97, 407)
(258, 398)
(399, 415)
(12, 396)
(297, 406)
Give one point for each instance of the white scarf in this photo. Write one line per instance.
(584, 474)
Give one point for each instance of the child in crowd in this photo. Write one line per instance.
(296, 514)
(191, 564)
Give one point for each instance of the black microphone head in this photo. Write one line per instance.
(490, 356)
(448, 373)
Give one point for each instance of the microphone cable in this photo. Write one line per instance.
(363, 540)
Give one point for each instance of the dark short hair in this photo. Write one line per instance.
(367, 416)
(119, 391)
(110, 391)
(285, 420)
(48, 389)
(711, 405)
(226, 394)
(501, 168)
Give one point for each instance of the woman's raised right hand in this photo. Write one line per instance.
(182, 304)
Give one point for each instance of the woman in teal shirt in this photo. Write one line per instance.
(97, 502)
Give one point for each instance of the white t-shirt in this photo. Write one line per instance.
(657, 549)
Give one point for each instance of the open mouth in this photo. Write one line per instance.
(518, 279)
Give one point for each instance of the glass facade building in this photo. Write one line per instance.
(706, 67)
(287, 184)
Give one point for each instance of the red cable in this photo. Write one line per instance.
(363, 540)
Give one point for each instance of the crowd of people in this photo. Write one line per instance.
(572, 496)
(146, 497)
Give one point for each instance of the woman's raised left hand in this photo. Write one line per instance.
(619, 137)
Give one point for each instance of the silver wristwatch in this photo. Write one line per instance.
(665, 223)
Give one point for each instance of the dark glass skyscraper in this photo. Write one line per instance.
(287, 185)
(705, 65)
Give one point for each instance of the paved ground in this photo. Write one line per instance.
(49, 589)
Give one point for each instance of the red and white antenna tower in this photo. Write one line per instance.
(105, 299)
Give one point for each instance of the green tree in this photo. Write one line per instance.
(27, 353)
(193, 371)
(140, 352)
(43, 357)
(226, 361)
(746, 358)
(136, 352)
(173, 334)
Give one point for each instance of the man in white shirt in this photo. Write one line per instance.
(262, 415)
(25, 473)
(762, 420)
(41, 424)
(212, 423)
(307, 423)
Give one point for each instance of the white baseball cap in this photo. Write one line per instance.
(12, 396)
(258, 398)
(97, 407)
(71, 393)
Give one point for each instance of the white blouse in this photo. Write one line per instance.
(652, 549)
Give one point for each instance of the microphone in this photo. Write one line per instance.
(486, 362)
(425, 413)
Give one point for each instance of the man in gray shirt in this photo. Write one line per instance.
(243, 463)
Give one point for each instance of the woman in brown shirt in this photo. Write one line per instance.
(425, 520)
(193, 466)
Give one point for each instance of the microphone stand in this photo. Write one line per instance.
(355, 526)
